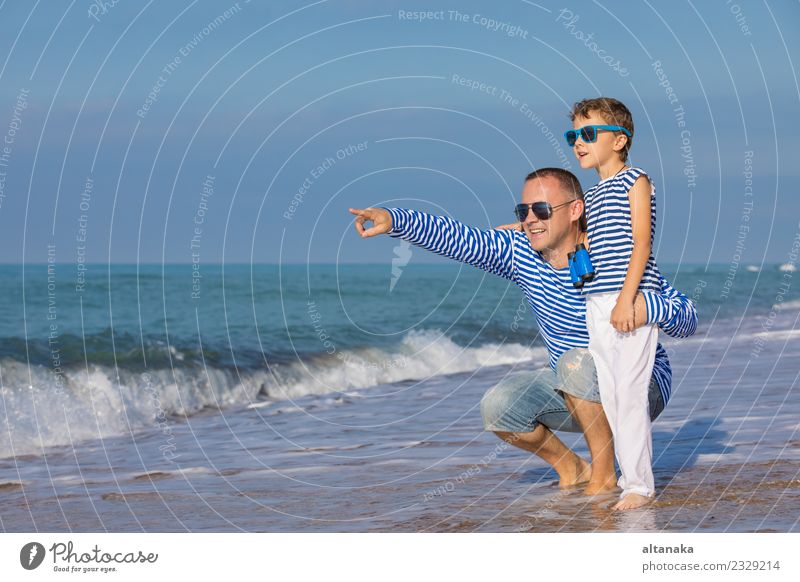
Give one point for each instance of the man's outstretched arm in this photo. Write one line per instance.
(671, 310)
(490, 250)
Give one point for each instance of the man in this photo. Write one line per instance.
(525, 408)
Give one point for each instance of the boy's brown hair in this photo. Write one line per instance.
(612, 111)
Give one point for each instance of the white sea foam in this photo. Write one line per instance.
(421, 355)
(41, 410)
(790, 305)
(772, 335)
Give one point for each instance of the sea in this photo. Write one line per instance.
(342, 398)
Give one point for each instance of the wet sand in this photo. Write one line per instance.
(412, 457)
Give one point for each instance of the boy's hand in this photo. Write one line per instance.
(381, 219)
(512, 226)
(622, 317)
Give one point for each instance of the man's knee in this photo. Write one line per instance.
(655, 399)
(494, 404)
(573, 361)
(577, 375)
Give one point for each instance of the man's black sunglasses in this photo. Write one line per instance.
(541, 210)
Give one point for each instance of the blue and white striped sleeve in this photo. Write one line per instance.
(490, 250)
(673, 311)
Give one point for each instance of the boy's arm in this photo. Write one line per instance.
(622, 317)
(490, 250)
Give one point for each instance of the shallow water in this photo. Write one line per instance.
(411, 456)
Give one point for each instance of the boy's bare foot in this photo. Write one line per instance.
(583, 471)
(632, 501)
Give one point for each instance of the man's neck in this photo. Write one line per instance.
(557, 257)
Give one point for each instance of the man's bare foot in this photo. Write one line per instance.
(596, 487)
(583, 471)
(632, 501)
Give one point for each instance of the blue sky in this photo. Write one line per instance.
(267, 103)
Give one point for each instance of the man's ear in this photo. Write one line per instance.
(577, 209)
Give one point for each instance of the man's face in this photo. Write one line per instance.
(549, 234)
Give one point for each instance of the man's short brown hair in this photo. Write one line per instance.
(569, 184)
(612, 111)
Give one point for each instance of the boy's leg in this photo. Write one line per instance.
(577, 380)
(601, 344)
(633, 438)
(624, 363)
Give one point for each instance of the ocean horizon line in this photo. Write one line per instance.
(331, 263)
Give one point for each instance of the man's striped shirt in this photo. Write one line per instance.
(560, 309)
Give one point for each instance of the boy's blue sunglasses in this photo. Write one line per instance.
(588, 133)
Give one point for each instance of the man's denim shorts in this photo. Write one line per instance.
(522, 400)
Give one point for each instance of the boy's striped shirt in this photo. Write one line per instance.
(610, 234)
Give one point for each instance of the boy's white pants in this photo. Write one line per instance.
(624, 363)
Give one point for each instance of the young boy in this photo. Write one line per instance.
(620, 213)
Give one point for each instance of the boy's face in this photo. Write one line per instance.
(605, 149)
